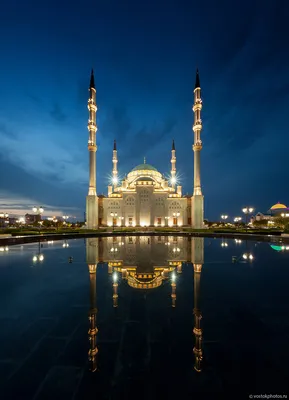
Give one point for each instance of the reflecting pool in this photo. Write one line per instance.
(144, 317)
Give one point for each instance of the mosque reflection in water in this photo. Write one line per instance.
(145, 263)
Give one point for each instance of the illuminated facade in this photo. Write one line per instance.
(145, 197)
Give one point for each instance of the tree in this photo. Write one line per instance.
(281, 222)
(263, 223)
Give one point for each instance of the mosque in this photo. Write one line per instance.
(144, 197)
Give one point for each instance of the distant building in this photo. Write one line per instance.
(31, 218)
(276, 210)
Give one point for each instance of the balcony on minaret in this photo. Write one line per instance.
(91, 145)
(91, 126)
(198, 145)
(197, 125)
(198, 105)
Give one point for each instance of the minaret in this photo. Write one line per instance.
(91, 199)
(92, 259)
(114, 163)
(173, 162)
(197, 199)
(197, 260)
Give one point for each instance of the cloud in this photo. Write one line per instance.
(15, 204)
(36, 152)
(146, 139)
(117, 124)
(5, 131)
(57, 113)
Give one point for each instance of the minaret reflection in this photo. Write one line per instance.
(173, 295)
(92, 249)
(197, 254)
(115, 287)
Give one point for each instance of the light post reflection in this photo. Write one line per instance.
(38, 258)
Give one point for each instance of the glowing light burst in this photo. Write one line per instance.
(113, 179)
(174, 180)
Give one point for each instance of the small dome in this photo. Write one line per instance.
(278, 206)
(144, 167)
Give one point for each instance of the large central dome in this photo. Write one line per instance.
(144, 167)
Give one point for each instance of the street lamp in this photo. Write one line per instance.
(237, 219)
(176, 215)
(38, 211)
(167, 220)
(246, 211)
(114, 215)
(121, 220)
(224, 217)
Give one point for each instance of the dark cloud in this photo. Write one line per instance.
(16, 180)
(35, 99)
(117, 124)
(145, 139)
(6, 131)
(57, 113)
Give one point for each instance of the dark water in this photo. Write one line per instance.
(143, 318)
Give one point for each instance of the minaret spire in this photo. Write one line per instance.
(91, 200)
(92, 84)
(173, 162)
(114, 163)
(197, 199)
(197, 83)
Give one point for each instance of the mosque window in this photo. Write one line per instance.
(129, 201)
(175, 205)
(144, 196)
(113, 205)
(159, 201)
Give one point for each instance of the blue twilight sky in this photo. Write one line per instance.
(144, 55)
